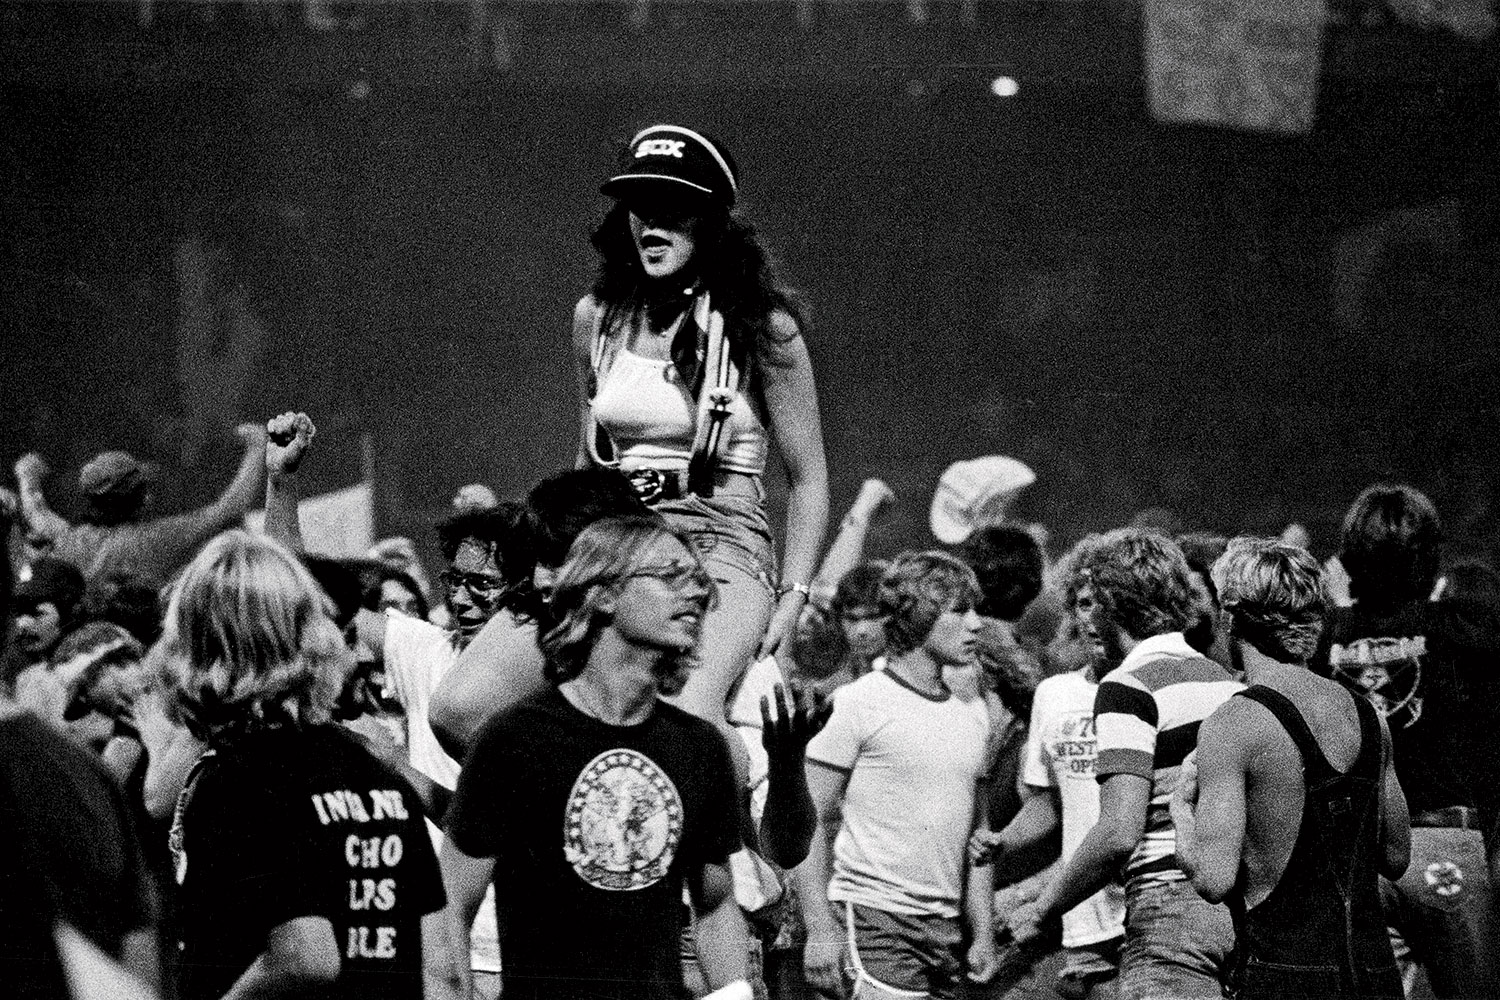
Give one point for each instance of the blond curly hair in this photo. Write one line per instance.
(248, 640)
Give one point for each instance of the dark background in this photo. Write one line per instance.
(1147, 315)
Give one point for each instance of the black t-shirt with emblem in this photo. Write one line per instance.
(1432, 668)
(593, 828)
(288, 823)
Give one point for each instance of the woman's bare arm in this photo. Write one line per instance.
(791, 397)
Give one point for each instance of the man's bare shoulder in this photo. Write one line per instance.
(1239, 727)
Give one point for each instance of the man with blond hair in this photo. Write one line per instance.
(1292, 811)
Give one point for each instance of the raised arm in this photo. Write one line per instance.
(848, 547)
(791, 396)
(790, 819)
(38, 518)
(288, 437)
(243, 492)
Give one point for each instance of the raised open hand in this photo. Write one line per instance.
(798, 714)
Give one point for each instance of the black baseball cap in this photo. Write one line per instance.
(667, 157)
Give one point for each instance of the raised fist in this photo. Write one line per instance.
(475, 496)
(31, 466)
(288, 436)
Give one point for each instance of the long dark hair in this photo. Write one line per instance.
(729, 262)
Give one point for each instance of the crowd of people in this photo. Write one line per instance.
(624, 750)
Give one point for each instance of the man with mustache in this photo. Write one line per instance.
(1133, 596)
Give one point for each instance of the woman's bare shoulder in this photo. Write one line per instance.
(585, 319)
(783, 346)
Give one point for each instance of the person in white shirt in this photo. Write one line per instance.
(417, 654)
(893, 777)
(1059, 790)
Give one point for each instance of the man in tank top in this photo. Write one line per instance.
(1293, 810)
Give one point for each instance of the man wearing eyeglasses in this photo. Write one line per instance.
(417, 655)
(592, 804)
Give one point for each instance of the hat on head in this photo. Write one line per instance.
(669, 155)
(99, 640)
(52, 581)
(974, 493)
(115, 472)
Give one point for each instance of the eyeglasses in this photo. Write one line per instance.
(474, 583)
(676, 575)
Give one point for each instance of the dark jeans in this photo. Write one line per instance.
(1442, 914)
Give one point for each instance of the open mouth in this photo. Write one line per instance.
(652, 241)
(691, 618)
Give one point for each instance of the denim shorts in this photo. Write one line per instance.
(902, 955)
(731, 534)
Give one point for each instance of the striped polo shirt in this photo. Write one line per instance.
(1146, 719)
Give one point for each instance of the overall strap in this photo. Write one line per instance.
(1313, 760)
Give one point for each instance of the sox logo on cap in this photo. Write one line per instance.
(677, 156)
(660, 147)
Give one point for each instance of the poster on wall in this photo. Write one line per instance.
(1244, 64)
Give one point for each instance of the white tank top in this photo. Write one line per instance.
(649, 416)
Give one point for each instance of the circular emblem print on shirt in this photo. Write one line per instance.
(1389, 671)
(623, 822)
(1446, 878)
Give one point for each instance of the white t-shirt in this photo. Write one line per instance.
(760, 681)
(908, 809)
(417, 656)
(1060, 750)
